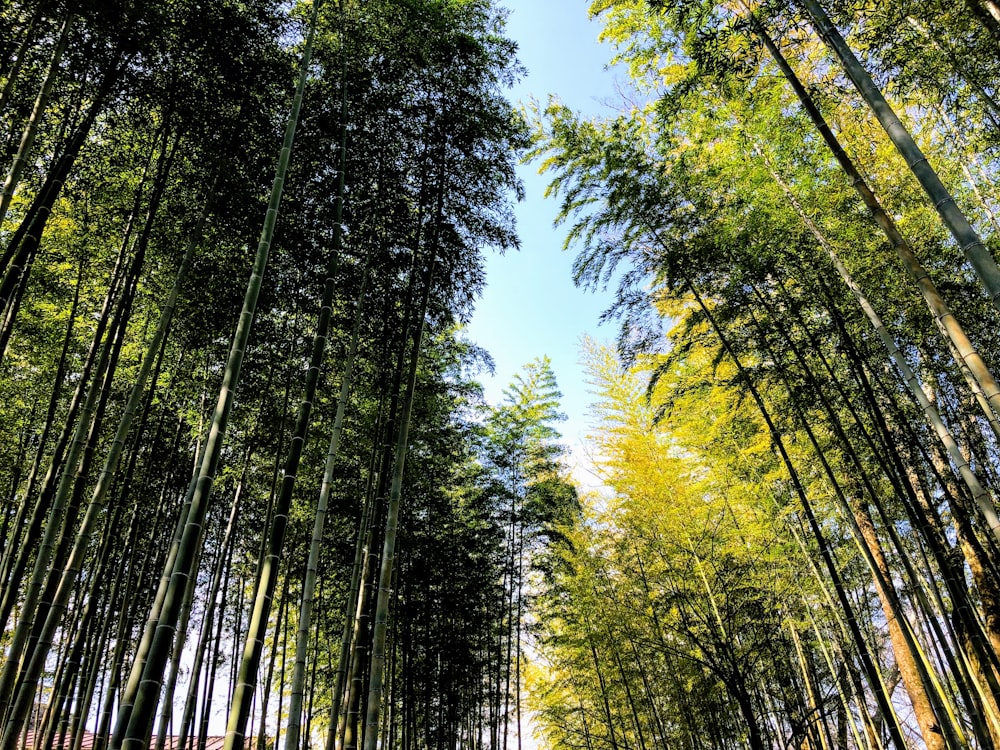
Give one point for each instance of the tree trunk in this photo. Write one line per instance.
(392, 516)
(968, 240)
(31, 127)
(97, 502)
(18, 539)
(240, 708)
(312, 564)
(880, 694)
(931, 714)
(55, 541)
(136, 735)
(968, 357)
(982, 497)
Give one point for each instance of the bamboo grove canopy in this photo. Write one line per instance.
(251, 493)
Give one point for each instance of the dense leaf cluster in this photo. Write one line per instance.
(800, 545)
(139, 140)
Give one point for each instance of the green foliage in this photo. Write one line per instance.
(767, 388)
(177, 110)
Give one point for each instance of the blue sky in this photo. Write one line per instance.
(530, 307)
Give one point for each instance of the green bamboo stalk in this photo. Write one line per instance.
(136, 735)
(312, 565)
(239, 710)
(28, 39)
(31, 127)
(981, 381)
(20, 528)
(376, 675)
(319, 522)
(878, 687)
(353, 608)
(938, 726)
(36, 665)
(53, 532)
(944, 203)
(845, 703)
(208, 617)
(131, 691)
(43, 511)
(983, 500)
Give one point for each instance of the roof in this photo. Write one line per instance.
(170, 743)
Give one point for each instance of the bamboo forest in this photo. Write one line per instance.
(254, 492)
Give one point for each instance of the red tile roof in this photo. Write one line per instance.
(171, 743)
